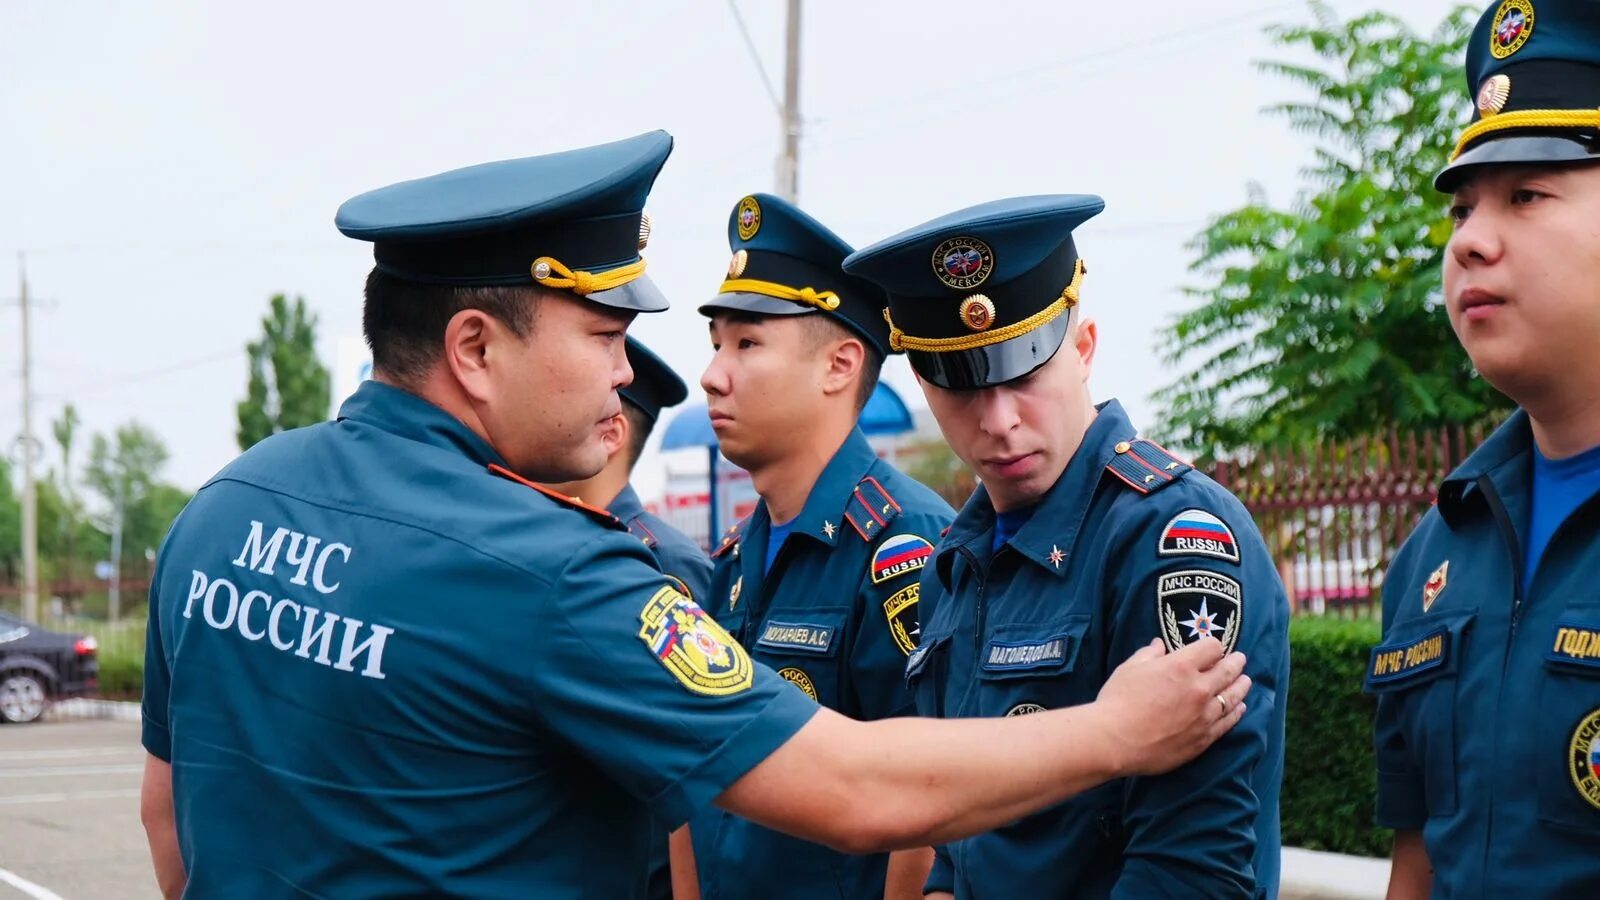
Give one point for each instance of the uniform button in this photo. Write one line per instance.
(1123, 447)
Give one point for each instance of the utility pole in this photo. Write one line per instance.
(789, 162)
(30, 500)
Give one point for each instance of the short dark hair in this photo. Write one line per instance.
(823, 329)
(404, 321)
(639, 428)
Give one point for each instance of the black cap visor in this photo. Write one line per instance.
(995, 364)
(1519, 149)
(639, 295)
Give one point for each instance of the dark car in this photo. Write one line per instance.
(38, 666)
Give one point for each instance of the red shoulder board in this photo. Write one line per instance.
(870, 509)
(730, 540)
(573, 502)
(1146, 466)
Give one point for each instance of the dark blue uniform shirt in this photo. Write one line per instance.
(1488, 729)
(368, 685)
(1129, 545)
(837, 616)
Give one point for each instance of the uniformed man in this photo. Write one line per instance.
(1488, 675)
(654, 387)
(821, 582)
(1082, 544)
(382, 663)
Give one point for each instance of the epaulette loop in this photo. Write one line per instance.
(871, 508)
(1146, 466)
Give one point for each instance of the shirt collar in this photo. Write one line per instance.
(408, 416)
(1048, 535)
(1503, 458)
(627, 506)
(822, 518)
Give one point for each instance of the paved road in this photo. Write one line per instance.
(69, 811)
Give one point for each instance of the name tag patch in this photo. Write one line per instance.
(801, 636)
(1404, 659)
(1575, 642)
(1049, 653)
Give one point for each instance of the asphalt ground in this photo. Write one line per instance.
(69, 811)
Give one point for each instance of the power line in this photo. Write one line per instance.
(946, 95)
(131, 378)
(755, 56)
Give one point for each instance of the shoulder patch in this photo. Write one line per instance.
(593, 511)
(698, 652)
(1146, 466)
(898, 555)
(871, 508)
(1195, 532)
(901, 611)
(1197, 603)
(730, 540)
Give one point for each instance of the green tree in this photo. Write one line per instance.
(1326, 317)
(125, 472)
(934, 464)
(10, 526)
(288, 385)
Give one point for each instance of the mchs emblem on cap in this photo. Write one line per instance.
(749, 218)
(963, 262)
(1513, 25)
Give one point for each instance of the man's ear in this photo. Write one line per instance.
(617, 434)
(468, 339)
(844, 360)
(1085, 340)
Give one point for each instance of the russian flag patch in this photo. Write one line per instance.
(1195, 532)
(898, 555)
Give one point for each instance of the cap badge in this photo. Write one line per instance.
(737, 264)
(1493, 95)
(644, 230)
(977, 312)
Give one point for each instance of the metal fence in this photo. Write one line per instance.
(1334, 515)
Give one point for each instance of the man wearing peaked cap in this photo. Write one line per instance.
(420, 674)
(654, 388)
(1083, 546)
(1488, 675)
(821, 581)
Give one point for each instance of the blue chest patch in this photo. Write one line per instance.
(801, 636)
(1049, 653)
(1406, 659)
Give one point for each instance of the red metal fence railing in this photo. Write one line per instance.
(1334, 515)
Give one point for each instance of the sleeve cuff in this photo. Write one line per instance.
(155, 738)
(942, 877)
(778, 721)
(1401, 803)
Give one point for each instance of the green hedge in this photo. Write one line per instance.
(1330, 778)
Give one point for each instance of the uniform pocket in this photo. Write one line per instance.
(803, 646)
(1417, 664)
(1567, 748)
(1029, 667)
(926, 670)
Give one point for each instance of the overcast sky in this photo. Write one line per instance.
(168, 166)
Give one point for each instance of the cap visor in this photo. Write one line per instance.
(638, 295)
(996, 364)
(759, 304)
(1524, 149)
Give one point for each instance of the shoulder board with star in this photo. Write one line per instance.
(638, 529)
(730, 539)
(871, 509)
(593, 512)
(1146, 466)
